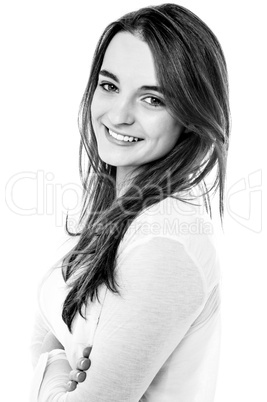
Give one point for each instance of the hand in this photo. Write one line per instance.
(79, 374)
(50, 343)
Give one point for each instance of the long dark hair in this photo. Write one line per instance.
(191, 69)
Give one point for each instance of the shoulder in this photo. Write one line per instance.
(185, 221)
(175, 227)
(160, 270)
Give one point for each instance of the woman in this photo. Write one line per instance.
(140, 291)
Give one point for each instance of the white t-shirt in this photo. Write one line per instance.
(158, 341)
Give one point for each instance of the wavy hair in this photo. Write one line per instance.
(191, 69)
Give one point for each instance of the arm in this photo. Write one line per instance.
(50, 343)
(162, 293)
(40, 331)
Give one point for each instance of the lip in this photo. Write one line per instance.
(119, 142)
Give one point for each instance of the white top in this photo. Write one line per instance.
(158, 341)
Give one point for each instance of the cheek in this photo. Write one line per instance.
(95, 115)
(94, 107)
(97, 106)
(175, 133)
(167, 131)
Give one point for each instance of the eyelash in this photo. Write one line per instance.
(161, 104)
(108, 84)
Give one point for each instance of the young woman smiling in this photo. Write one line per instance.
(140, 290)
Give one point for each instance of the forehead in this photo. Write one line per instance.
(130, 58)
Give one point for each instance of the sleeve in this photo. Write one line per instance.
(162, 291)
(40, 331)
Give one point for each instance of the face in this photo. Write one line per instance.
(131, 122)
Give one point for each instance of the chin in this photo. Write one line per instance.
(109, 160)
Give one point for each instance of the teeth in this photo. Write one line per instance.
(120, 137)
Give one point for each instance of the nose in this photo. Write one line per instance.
(121, 112)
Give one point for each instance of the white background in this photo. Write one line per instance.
(46, 52)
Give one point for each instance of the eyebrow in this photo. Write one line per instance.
(108, 74)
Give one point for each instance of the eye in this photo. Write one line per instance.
(108, 87)
(155, 102)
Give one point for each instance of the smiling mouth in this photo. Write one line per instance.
(123, 138)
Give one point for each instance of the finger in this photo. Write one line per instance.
(87, 351)
(83, 363)
(77, 375)
(71, 385)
